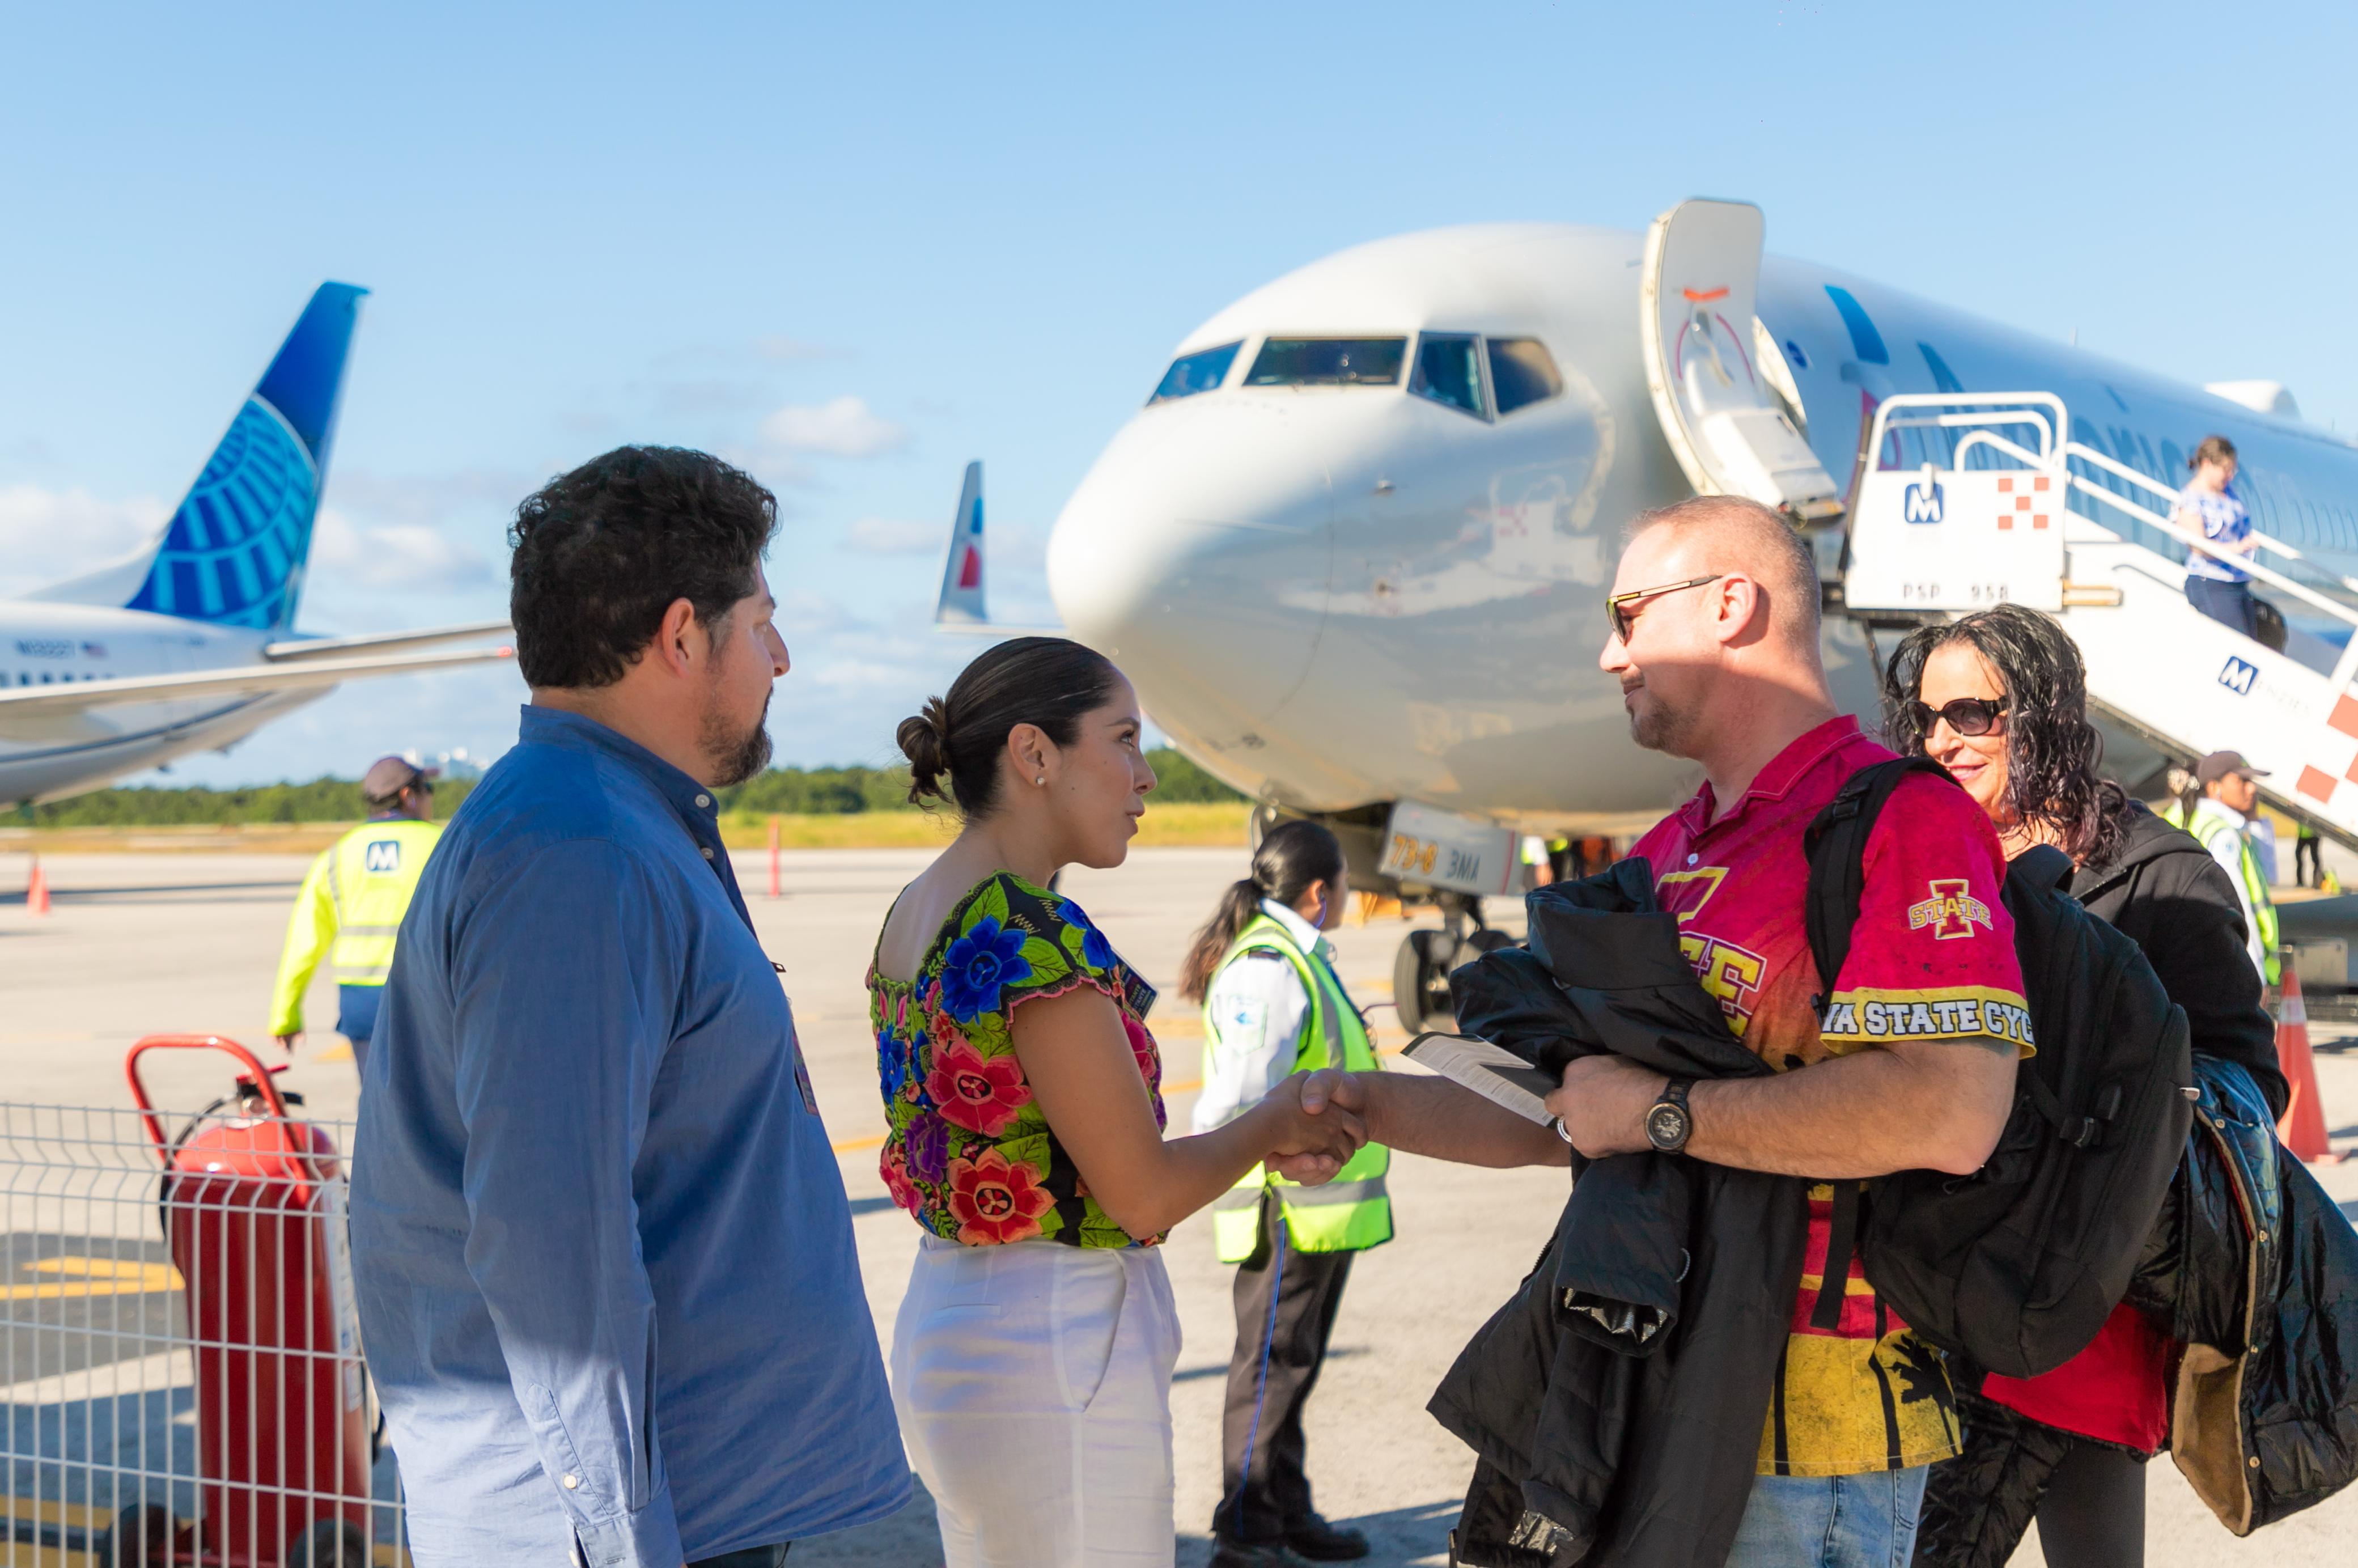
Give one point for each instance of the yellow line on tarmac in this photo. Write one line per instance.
(94, 1277)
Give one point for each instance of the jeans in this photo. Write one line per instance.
(1831, 1522)
(356, 1008)
(2228, 603)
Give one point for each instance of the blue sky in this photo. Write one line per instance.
(852, 247)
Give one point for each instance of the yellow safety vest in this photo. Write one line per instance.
(1351, 1212)
(351, 900)
(2206, 828)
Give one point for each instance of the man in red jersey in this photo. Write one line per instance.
(1910, 1049)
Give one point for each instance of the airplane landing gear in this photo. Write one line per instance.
(1421, 970)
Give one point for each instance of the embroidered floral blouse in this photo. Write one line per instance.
(967, 1150)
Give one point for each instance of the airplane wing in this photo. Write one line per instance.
(36, 710)
(301, 648)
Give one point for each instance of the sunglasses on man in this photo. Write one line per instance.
(1618, 610)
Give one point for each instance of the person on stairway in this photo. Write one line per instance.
(1999, 698)
(2216, 584)
(1272, 1005)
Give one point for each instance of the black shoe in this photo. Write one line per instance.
(1314, 1538)
(1228, 1553)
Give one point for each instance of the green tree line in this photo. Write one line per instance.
(786, 791)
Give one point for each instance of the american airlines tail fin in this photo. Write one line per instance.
(234, 552)
(961, 601)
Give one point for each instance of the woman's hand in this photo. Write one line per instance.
(1328, 1137)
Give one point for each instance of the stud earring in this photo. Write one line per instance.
(1043, 779)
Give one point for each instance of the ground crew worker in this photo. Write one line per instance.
(2222, 820)
(1272, 1006)
(353, 899)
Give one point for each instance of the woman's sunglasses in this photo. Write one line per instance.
(1966, 716)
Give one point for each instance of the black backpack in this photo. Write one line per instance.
(2017, 1266)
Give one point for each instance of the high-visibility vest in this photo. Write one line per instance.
(1351, 1212)
(2207, 827)
(350, 908)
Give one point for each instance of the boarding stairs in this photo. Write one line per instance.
(1966, 500)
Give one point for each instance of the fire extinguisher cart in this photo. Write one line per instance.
(253, 1210)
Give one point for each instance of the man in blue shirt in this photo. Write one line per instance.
(605, 1265)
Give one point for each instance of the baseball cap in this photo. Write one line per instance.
(388, 777)
(2219, 765)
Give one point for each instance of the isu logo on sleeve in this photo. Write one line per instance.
(1952, 910)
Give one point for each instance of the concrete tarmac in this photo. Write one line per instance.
(143, 943)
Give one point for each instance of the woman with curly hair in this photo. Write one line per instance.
(2000, 699)
(1032, 1359)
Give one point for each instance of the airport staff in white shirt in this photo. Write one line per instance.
(2222, 818)
(1273, 1006)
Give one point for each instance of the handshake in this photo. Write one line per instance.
(1317, 1122)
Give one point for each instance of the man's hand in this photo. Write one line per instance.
(287, 1042)
(1329, 1087)
(1603, 1101)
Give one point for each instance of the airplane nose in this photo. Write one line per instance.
(1196, 555)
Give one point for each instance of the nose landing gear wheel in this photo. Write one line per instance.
(1420, 974)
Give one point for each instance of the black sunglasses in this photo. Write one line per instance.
(1966, 715)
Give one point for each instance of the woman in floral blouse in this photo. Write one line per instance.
(1031, 1361)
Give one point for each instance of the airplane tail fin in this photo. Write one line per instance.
(234, 553)
(961, 601)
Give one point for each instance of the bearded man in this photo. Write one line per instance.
(603, 1256)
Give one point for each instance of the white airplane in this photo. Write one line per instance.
(186, 644)
(1355, 548)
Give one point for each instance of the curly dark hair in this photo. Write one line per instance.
(2051, 750)
(603, 551)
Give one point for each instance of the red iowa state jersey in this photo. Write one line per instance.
(1932, 959)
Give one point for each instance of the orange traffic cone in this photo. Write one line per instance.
(2302, 1127)
(37, 890)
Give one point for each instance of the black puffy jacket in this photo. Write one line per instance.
(1616, 1401)
(2264, 1418)
(2164, 893)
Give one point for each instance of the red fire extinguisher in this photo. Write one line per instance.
(252, 1205)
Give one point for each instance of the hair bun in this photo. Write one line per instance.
(924, 738)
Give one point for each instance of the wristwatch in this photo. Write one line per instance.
(1669, 1124)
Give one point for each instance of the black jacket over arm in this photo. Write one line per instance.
(2167, 895)
(1616, 1401)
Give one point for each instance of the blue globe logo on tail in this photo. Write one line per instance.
(234, 552)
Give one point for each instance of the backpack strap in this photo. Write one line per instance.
(1836, 846)
(2044, 867)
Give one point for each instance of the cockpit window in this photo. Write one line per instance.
(1328, 362)
(1521, 372)
(1202, 371)
(1449, 370)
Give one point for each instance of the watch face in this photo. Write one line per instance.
(1666, 1126)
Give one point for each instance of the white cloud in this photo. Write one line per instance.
(429, 497)
(398, 556)
(891, 536)
(47, 535)
(841, 428)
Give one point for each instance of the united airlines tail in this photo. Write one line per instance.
(235, 551)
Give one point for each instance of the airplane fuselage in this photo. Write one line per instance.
(47, 645)
(1334, 595)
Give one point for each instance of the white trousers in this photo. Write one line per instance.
(1032, 1382)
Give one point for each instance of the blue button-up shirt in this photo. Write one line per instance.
(605, 1267)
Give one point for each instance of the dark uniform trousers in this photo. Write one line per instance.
(752, 1557)
(1285, 1305)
